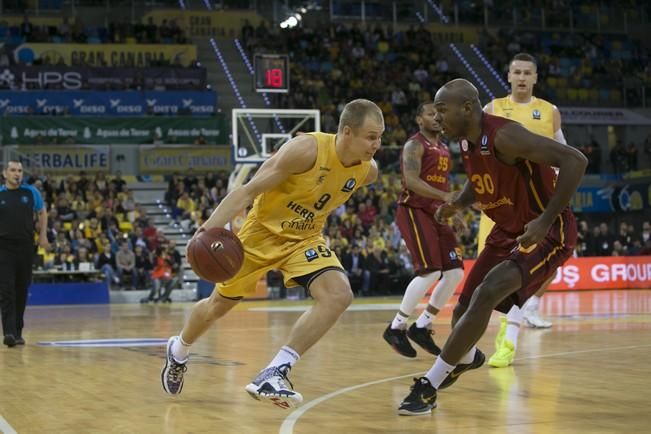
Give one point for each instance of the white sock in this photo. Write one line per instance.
(533, 303)
(413, 294)
(514, 320)
(438, 372)
(286, 355)
(445, 288)
(180, 350)
(469, 357)
(399, 322)
(515, 315)
(425, 319)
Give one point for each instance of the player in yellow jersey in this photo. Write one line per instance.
(540, 117)
(293, 192)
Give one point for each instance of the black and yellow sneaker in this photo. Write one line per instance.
(423, 337)
(397, 338)
(453, 376)
(420, 401)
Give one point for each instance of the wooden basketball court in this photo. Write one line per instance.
(589, 374)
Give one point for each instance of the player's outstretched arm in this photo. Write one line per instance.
(412, 157)
(515, 143)
(296, 156)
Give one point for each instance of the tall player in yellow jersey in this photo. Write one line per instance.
(292, 193)
(540, 117)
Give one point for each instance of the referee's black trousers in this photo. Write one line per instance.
(15, 277)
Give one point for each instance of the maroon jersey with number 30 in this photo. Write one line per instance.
(511, 196)
(434, 170)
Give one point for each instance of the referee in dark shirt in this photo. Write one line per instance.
(18, 204)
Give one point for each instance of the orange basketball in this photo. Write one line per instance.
(216, 254)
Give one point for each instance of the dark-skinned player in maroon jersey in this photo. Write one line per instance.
(510, 175)
(425, 167)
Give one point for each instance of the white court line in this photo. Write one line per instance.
(287, 426)
(5, 427)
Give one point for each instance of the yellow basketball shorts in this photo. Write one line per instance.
(264, 251)
(485, 228)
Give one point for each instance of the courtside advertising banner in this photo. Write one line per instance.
(65, 160)
(51, 130)
(111, 103)
(169, 159)
(601, 272)
(43, 77)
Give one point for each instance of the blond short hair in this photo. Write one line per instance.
(355, 113)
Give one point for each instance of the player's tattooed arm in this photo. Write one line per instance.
(412, 155)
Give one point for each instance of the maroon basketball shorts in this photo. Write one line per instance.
(537, 263)
(433, 246)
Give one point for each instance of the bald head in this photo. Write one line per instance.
(460, 90)
(458, 107)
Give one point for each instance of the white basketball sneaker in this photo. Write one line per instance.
(533, 319)
(272, 385)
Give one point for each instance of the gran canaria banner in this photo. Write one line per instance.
(168, 159)
(64, 159)
(123, 55)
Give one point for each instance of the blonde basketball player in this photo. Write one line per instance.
(292, 193)
(540, 117)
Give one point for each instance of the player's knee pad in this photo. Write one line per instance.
(445, 288)
(455, 275)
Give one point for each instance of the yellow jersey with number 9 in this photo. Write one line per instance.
(537, 115)
(298, 208)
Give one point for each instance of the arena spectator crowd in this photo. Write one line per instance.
(75, 31)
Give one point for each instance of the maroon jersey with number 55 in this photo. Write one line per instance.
(435, 170)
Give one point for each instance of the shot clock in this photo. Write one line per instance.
(271, 73)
